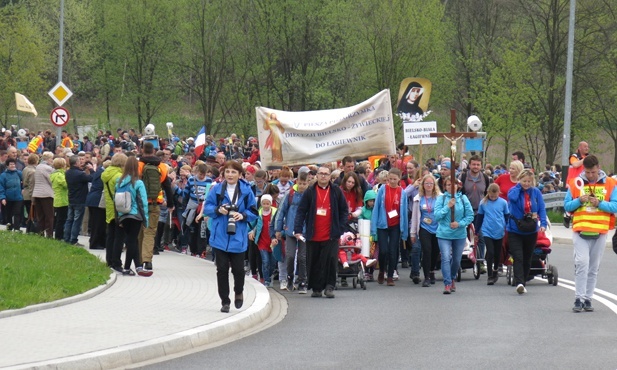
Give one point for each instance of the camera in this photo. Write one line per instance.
(528, 216)
(231, 222)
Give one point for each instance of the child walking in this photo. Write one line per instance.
(261, 235)
(493, 214)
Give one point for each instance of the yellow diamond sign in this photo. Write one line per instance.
(60, 93)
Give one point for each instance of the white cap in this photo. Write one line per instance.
(266, 197)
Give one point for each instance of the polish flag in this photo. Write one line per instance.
(200, 142)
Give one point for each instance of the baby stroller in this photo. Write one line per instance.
(539, 260)
(355, 271)
(469, 259)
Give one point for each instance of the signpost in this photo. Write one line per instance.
(59, 116)
(453, 137)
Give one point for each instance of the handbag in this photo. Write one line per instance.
(527, 224)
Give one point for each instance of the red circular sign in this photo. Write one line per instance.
(60, 116)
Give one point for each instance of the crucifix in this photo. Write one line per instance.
(453, 137)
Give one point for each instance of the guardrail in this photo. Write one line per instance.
(554, 200)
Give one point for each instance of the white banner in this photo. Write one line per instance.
(298, 138)
(416, 131)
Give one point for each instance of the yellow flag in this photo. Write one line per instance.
(24, 105)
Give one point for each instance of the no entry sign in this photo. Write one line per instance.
(60, 116)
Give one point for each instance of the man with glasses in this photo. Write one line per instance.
(324, 211)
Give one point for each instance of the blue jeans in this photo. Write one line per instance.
(72, 226)
(416, 256)
(267, 265)
(451, 254)
(388, 240)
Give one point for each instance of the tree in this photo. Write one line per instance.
(21, 60)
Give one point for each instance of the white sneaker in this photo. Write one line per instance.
(283, 284)
(371, 262)
(345, 265)
(520, 289)
(395, 275)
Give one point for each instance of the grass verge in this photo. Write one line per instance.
(37, 270)
(556, 217)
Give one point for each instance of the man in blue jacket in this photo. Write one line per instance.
(77, 183)
(324, 211)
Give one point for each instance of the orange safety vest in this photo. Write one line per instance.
(163, 170)
(591, 219)
(67, 143)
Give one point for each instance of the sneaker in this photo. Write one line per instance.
(302, 289)
(520, 289)
(587, 306)
(268, 284)
(329, 293)
(390, 282)
(118, 270)
(395, 276)
(290, 285)
(482, 269)
(148, 266)
(345, 265)
(447, 289)
(426, 283)
(490, 280)
(432, 277)
(371, 262)
(316, 294)
(578, 305)
(283, 285)
(416, 279)
(142, 272)
(183, 250)
(129, 272)
(380, 277)
(225, 308)
(166, 248)
(453, 287)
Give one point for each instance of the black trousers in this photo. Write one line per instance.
(493, 254)
(255, 259)
(59, 221)
(225, 260)
(97, 228)
(321, 260)
(521, 247)
(129, 229)
(114, 244)
(14, 211)
(430, 251)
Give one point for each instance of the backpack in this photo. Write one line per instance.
(151, 176)
(123, 199)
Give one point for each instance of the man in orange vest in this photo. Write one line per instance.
(592, 201)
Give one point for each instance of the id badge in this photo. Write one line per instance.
(591, 209)
(392, 213)
(322, 212)
(427, 220)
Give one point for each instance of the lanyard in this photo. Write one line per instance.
(323, 201)
(429, 205)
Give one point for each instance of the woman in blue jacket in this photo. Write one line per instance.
(451, 234)
(230, 205)
(524, 200)
(10, 195)
(131, 222)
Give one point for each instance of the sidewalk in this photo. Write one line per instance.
(133, 320)
(561, 235)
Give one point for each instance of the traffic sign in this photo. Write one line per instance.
(60, 93)
(60, 116)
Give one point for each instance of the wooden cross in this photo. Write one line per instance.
(453, 136)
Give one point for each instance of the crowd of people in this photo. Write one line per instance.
(286, 224)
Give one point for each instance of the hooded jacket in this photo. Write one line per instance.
(109, 177)
(219, 239)
(287, 213)
(379, 218)
(135, 211)
(58, 183)
(463, 214)
(516, 204)
(10, 185)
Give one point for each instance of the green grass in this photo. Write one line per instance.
(556, 217)
(37, 270)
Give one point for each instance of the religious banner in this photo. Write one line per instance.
(413, 98)
(298, 138)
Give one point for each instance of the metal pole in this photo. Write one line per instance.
(60, 54)
(567, 119)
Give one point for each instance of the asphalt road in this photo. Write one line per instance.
(410, 327)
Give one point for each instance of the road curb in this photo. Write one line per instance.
(199, 336)
(62, 302)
